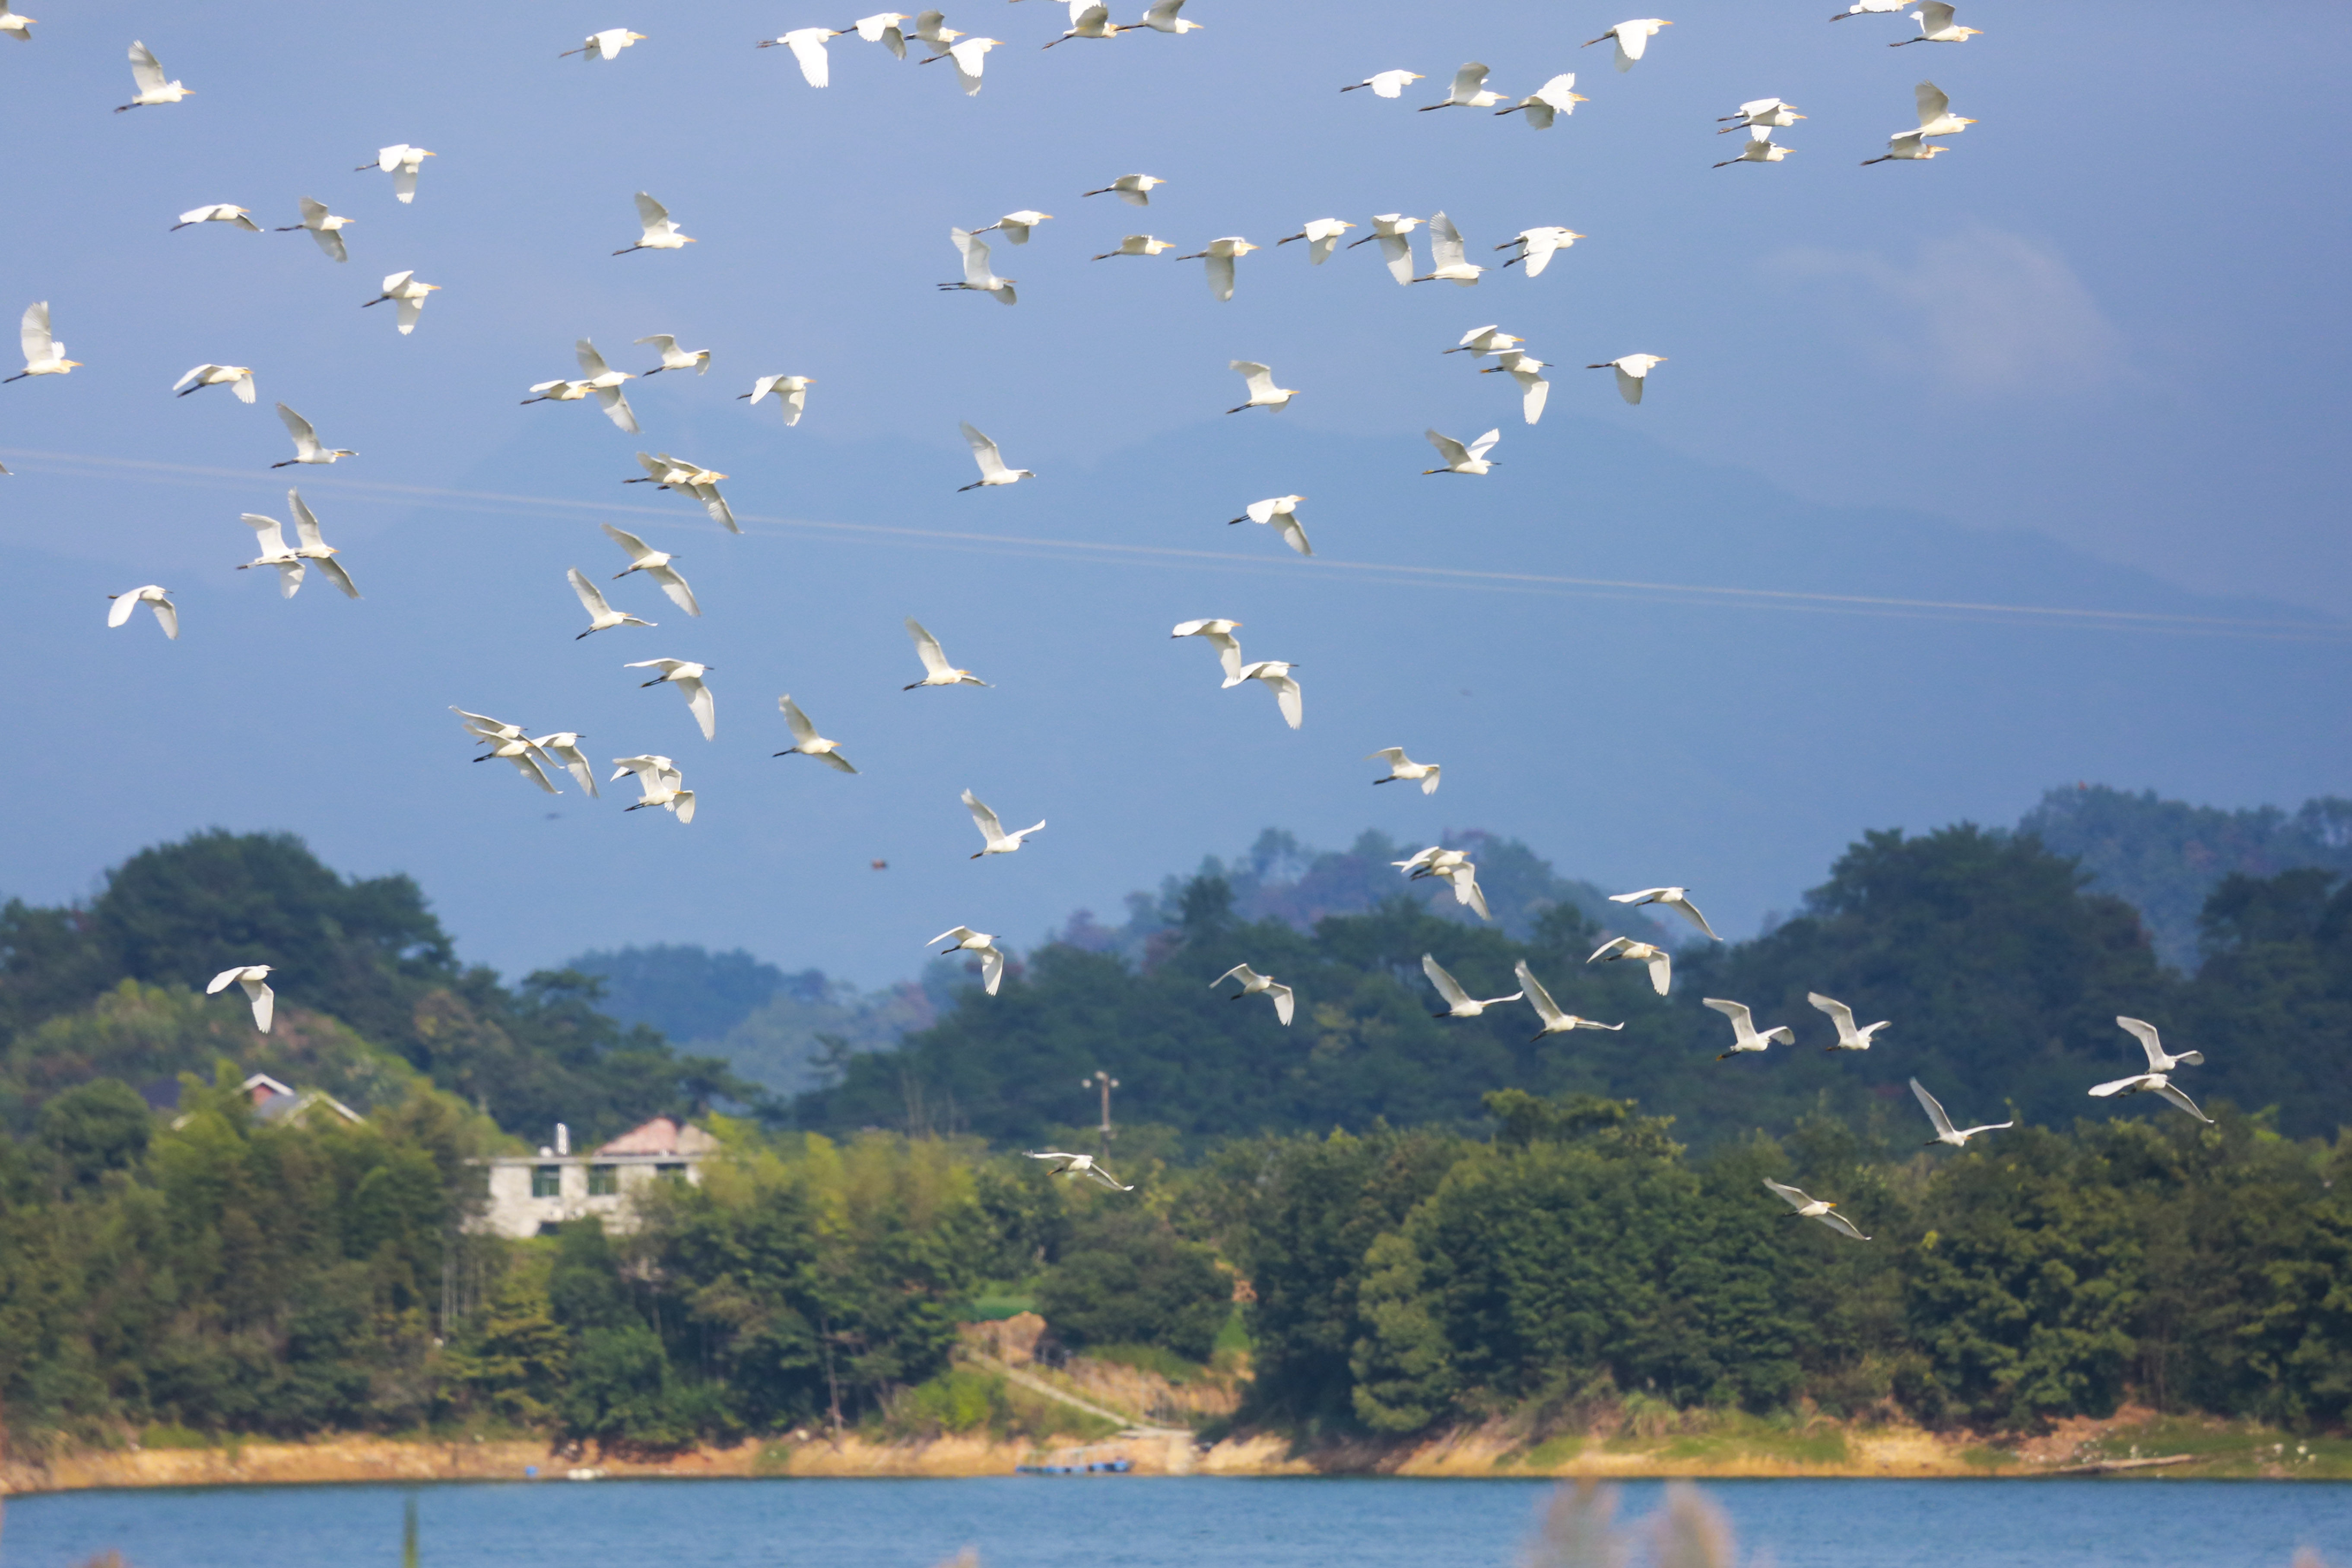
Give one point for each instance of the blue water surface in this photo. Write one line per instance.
(1171, 1523)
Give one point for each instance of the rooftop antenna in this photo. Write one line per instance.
(1106, 1083)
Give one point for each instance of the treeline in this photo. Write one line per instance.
(2002, 978)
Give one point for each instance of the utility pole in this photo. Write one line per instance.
(1106, 1083)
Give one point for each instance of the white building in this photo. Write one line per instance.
(531, 1194)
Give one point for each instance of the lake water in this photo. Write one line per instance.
(1151, 1523)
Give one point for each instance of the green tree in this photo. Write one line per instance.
(1127, 1278)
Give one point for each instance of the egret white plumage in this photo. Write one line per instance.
(1537, 246)
(1262, 393)
(1480, 342)
(563, 746)
(1217, 635)
(659, 232)
(964, 939)
(1219, 258)
(324, 226)
(1386, 84)
(1090, 19)
(1674, 898)
(1138, 245)
(1460, 459)
(167, 614)
(1937, 27)
(17, 26)
(217, 212)
(1936, 115)
(685, 675)
(1528, 371)
(1944, 1132)
(930, 29)
(1632, 371)
(147, 75)
(971, 57)
(269, 538)
(44, 356)
(1281, 513)
(2159, 1059)
(1807, 1208)
(807, 742)
(995, 840)
(523, 752)
(1459, 1003)
(307, 446)
(1632, 38)
(1434, 860)
(673, 358)
(1660, 962)
(1253, 984)
(1759, 114)
(655, 564)
(403, 289)
(253, 980)
(661, 784)
(1760, 149)
(604, 45)
(1449, 258)
(238, 379)
(1850, 1037)
(665, 471)
(401, 162)
(1135, 190)
(602, 616)
(978, 275)
(1871, 7)
(1015, 226)
(1557, 1020)
(1404, 769)
(1555, 97)
(1393, 231)
(1080, 1165)
(1744, 1037)
(807, 45)
(937, 671)
(884, 28)
(2157, 1083)
(791, 393)
(1467, 91)
(1275, 676)
(1905, 146)
(606, 383)
(993, 471)
(1161, 17)
(1322, 237)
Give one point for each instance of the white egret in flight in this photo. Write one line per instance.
(401, 162)
(1404, 769)
(807, 45)
(1460, 459)
(1077, 1165)
(17, 26)
(2156, 1084)
(307, 447)
(253, 980)
(606, 383)
(1393, 230)
(147, 75)
(1537, 245)
(1386, 84)
(604, 45)
(674, 358)
(1660, 962)
(1281, 513)
(324, 226)
(883, 27)
(1744, 1035)
(44, 356)
(403, 288)
(1944, 1132)
(1807, 1208)
(1138, 245)
(1850, 1036)
(1459, 1003)
(978, 275)
(971, 57)
(964, 939)
(270, 539)
(238, 379)
(1217, 635)
(602, 616)
(2159, 1060)
(992, 470)
(659, 232)
(564, 747)
(217, 212)
(1015, 226)
(807, 742)
(1760, 149)
(1632, 371)
(1322, 237)
(1262, 393)
(995, 840)
(937, 671)
(662, 783)
(1161, 17)
(1633, 37)
(1480, 342)
(655, 564)
(1557, 1020)
(1467, 91)
(1674, 898)
(791, 393)
(1135, 190)
(686, 676)
(665, 471)
(1759, 114)
(167, 614)
(1906, 146)
(1219, 257)
(1528, 371)
(1937, 27)
(1555, 97)
(1275, 676)
(1253, 984)
(1449, 259)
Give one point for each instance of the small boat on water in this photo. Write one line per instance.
(1080, 1468)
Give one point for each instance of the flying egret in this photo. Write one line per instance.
(238, 379)
(1480, 342)
(311, 547)
(482, 726)
(1660, 962)
(1905, 146)
(1760, 149)
(1674, 898)
(324, 226)
(606, 383)
(1386, 84)
(524, 752)
(217, 212)
(1080, 1165)
(607, 45)
(1138, 245)
(307, 448)
(1527, 370)
(1937, 27)
(602, 616)
(1807, 1208)
(1759, 114)
(167, 614)
(1460, 459)
(1220, 256)
(1217, 635)
(1459, 1003)
(1254, 985)
(1467, 91)
(1936, 115)
(403, 289)
(995, 840)
(791, 393)
(20, 28)
(885, 27)
(1393, 231)
(1557, 1020)
(686, 676)
(1404, 769)
(655, 564)
(971, 57)
(1555, 97)
(1848, 1036)
(564, 747)
(664, 471)
(937, 671)
(674, 358)
(1633, 37)
(1430, 861)
(44, 356)
(930, 29)
(2159, 1060)
(660, 233)
(807, 742)
(1161, 17)
(1016, 225)
(401, 162)
(2156, 1084)
(1451, 867)
(1274, 674)
(1944, 1132)
(1322, 237)
(1871, 7)
(1448, 258)
(1537, 246)
(977, 277)
(1135, 190)
(1281, 513)
(1262, 393)
(1632, 370)
(964, 939)
(253, 980)
(557, 391)
(662, 785)
(147, 75)
(992, 470)
(1091, 19)
(1744, 1037)
(807, 45)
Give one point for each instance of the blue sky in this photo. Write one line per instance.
(2086, 361)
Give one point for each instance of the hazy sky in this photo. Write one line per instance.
(2088, 361)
